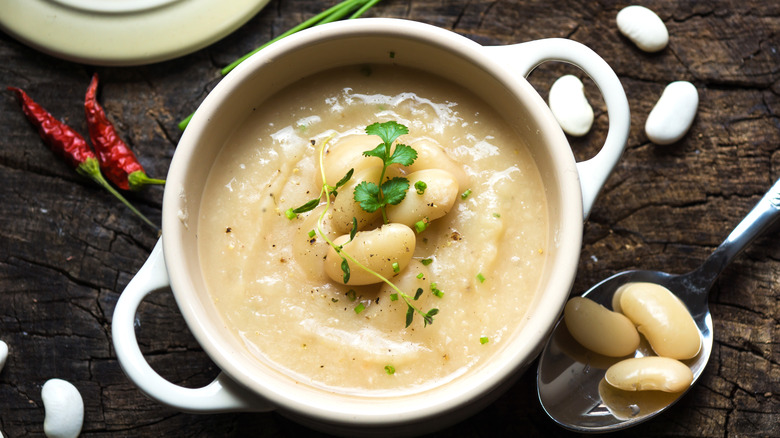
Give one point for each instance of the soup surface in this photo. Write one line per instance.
(265, 271)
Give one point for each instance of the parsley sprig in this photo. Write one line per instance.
(373, 197)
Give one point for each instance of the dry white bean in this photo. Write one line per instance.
(64, 409)
(650, 373)
(662, 318)
(673, 114)
(377, 250)
(570, 106)
(3, 354)
(599, 329)
(345, 154)
(432, 156)
(643, 27)
(436, 200)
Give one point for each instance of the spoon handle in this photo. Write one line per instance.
(761, 217)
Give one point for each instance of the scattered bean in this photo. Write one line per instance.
(650, 373)
(673, 114)
(345, 154)
(345, 208)
(643, 27)
(64, 409)
(570, 106)
(600, 329)
(3, 354)
(662, 318)
(375, 249)
(432, 156)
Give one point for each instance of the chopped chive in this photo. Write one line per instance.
(352, 295)
(484, 340)
(481, 277)
(359, 308)
(436, 291)
(420, 186)
(393, 297)
(420, 226)
(312, 233)
(396, 267)
(390, 370)
(497, 215)
(465, 194)
(420, 275)
(426, 262)
(290, 214)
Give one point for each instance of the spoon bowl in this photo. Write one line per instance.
(570, 379)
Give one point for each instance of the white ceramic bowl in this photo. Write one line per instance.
(495, 73)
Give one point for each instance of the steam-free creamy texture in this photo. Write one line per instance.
(266, 273)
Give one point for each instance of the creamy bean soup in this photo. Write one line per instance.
(478, 264)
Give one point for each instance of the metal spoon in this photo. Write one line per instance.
(569, 377)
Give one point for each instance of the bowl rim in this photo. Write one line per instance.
(538, 324)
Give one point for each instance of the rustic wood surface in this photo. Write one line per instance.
(67, 248)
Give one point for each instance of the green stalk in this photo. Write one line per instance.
(91, 169)
(331, 14)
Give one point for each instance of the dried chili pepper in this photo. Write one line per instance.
(116, 159)
(69, 145)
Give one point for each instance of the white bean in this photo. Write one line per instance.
(345, 207)
(64, 409)
(662, 318)
(345, 154)
(643, 27)
(599, 329)
(435, 201)
(385, 313)
(377, 249)
(309, 250)
(673, 114)
(570, 106)
(650, 373)
(431, 155)
(3, 354)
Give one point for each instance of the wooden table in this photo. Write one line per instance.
(67, 248)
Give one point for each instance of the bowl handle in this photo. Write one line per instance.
(524, 57)
(221, 395)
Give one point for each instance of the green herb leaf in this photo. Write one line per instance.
(403, 155)
(309, 206)
(426, 262)
(418, 293)
(345, 269)
(354, 229)
(387, 131)
(343, 181)
(394, 297)
(379, 152)
(409, 316)
(394, 190)
(367, 195)
(351, 294)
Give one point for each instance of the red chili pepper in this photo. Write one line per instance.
(116, 159)
(68, 144)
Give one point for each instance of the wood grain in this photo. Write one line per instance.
(67, 248)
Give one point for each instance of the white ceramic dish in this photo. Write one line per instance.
(123, 32)
(496, 74)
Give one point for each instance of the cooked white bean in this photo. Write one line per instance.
(385, 312)
(643, 27)
(570, 106)
(347, 153)
(432, 156)
(599, 329)
(650, 373)
(64, 409)
(436, 200)
(673, 114)
(662, 318)
(3, 354)
(377, 249)
(345, 207)
(309, 251)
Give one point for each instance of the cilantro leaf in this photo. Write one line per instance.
(403, 155)
(394, 190)
(380, 152)
(367, 194)
(387, 131)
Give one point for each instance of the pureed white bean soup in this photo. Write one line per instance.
(478, 265)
